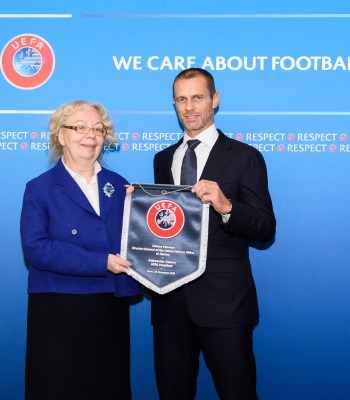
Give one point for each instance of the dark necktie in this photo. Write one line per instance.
(189, 164)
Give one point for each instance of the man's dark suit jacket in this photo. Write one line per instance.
(225, 295)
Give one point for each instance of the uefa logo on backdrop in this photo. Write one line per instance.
(165, 219)
(27, 61)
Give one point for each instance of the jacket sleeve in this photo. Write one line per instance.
(252, 213)
(44, 250)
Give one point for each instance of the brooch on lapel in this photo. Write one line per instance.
(108, 189)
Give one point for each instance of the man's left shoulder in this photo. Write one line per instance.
(237, 145)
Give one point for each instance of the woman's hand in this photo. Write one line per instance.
(129, 190)
(117, 265)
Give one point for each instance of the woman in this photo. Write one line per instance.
(78, 306)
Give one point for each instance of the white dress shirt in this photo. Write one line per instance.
(90, 189)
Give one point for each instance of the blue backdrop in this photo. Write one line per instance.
(282, 69)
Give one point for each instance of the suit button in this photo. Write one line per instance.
(74, 231)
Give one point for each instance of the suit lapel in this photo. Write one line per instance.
(105, 201)
(219, 156)
(71, 188)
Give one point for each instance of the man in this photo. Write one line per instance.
(215, 313)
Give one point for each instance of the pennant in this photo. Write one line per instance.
(164, 236)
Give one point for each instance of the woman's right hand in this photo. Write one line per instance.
(117, 265)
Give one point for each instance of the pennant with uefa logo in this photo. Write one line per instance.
(165, 235)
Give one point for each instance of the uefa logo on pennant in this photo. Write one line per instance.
(27, 61)
(165, 219)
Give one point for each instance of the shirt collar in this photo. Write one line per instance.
(75, 175)
(208, 136)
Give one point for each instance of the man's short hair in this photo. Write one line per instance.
(194, 72)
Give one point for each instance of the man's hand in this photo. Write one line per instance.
(210, 193)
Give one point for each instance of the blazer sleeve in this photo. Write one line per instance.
(44, 250)
(252, 214)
